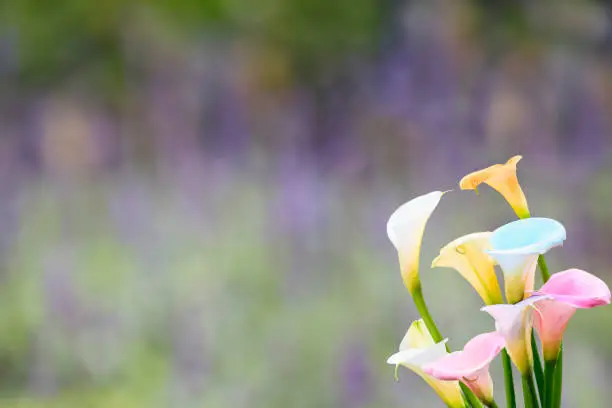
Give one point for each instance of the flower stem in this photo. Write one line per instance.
(543, 268)
(537, 370)
(508, 380)
(529, 391)
(492, 404)
(550, 381)
(553, 395)
(419, 301)
(558, 381)
(472, 399)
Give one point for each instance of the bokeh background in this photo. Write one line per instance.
(193, 194)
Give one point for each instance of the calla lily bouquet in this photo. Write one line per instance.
(461, 378)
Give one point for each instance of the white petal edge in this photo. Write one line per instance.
(506, 316)
(419, 357)
(410, 218)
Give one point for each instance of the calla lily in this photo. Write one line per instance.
(514, 323)
(516, 247)
(418, 349)
(501, 177)
(405, 230)
(467, 255)
(471, 366)
(569, 290)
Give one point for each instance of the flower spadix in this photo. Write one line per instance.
(500, 177)
(418, 349)
(568, 290)
(471, 365)
(405, 229)
(467, 255)
(514, 323)
(516, 247)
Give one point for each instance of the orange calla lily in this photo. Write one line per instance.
(500, 177)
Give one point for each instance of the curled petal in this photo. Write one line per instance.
(514, 323)
(405, 229)
(550, 320)
(471, 365)
(484, 347)
(467, 255)
(577, 288)
(516, 247)
(532, 235)
(417, 336)
(416, 358)
(569, 290)
(500, 177)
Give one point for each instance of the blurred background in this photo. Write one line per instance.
(193, 194)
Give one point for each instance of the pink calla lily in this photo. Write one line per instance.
(471, 365)
(567, 291)
(514, 323)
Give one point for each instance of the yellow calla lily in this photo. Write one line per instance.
(418, 349)
(500, 177)
(467, 255)
(405, 229)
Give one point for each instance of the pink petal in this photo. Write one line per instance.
(481, 384)
(485, 347)
(469, 363)
(577, 288)
(514, 322)
(550, 321)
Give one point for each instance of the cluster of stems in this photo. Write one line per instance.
(541, 384)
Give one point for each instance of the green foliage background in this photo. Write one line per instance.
(151, 259)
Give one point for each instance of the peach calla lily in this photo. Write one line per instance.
(501, 177)
(471, 366)
(568, 290)
(467, 255)
(418, 349)
(516, 247)
(514, 323)
(405, 229)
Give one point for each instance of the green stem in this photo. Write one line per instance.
(472, 399)
(543, 268)
(537, 369)
(558, 381)
(508, 380)
(550, 380)
(492, 404)
(553, 398)
(530, 393)
(419, 301)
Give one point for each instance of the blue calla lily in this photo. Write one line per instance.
(516, 247)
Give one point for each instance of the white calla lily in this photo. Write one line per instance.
(417, 350)
(405, 229)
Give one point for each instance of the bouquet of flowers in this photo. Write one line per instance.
(462, 378)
